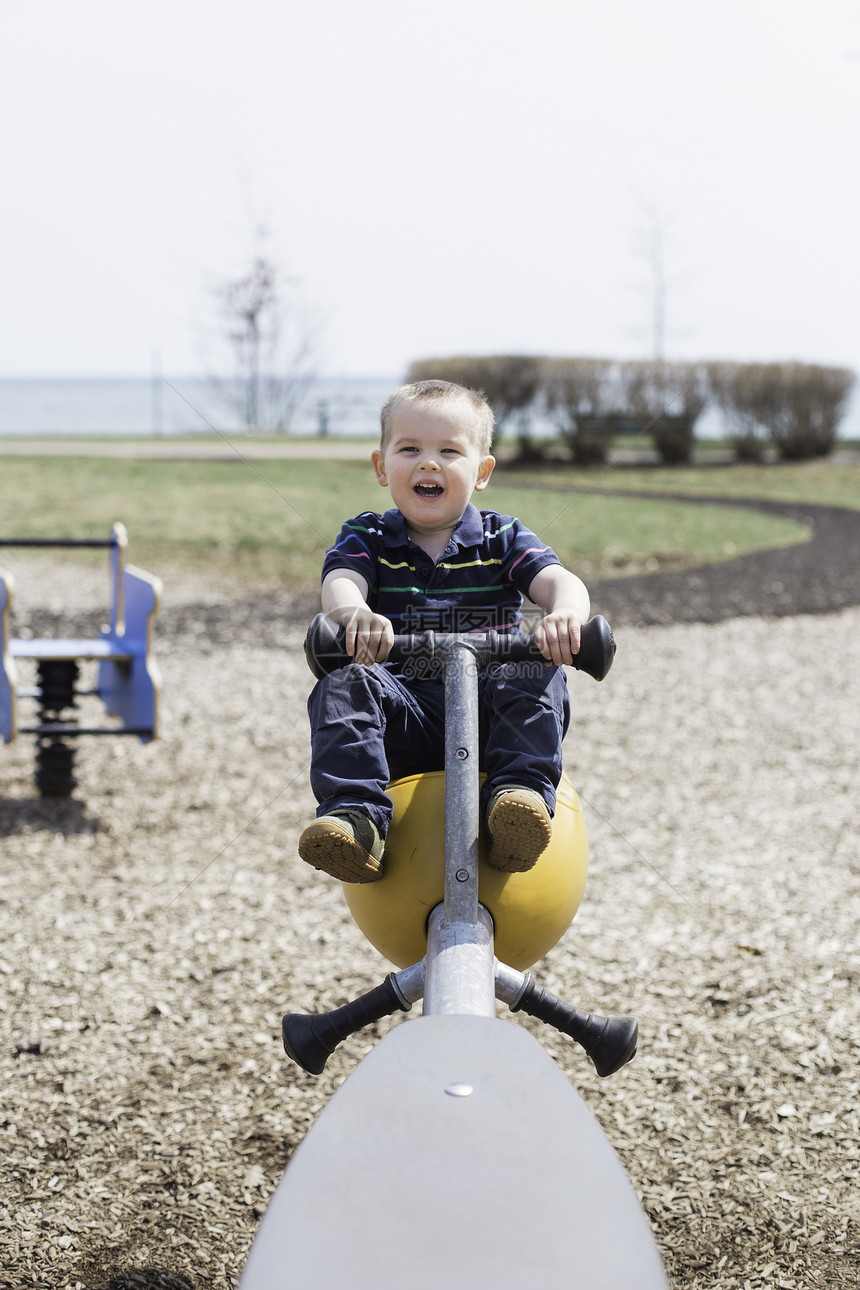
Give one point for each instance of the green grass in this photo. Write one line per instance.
(269, 522)
(598, 535)
(819, 482)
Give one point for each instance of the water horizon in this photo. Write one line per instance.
(175, 406)
(156, 406)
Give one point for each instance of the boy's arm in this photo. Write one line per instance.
(369, 636)
(564, 599)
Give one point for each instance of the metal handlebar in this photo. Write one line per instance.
(325, 649)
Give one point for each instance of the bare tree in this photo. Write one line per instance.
(654, 247)
(272, 339)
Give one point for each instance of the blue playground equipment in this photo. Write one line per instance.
(127, 680)
(457, 1154)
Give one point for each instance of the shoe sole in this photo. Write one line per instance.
(520, 833)
(334, 850)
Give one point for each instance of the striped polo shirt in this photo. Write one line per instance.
(478, 582)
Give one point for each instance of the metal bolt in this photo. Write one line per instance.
(462, 754)
(462, 875)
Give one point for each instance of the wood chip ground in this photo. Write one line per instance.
(154, 928)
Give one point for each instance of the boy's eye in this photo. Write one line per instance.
(411, 449)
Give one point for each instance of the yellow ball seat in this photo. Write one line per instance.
(531, 911)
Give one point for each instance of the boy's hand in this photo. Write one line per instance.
(369, 636)
(564, 599)
(557, 636)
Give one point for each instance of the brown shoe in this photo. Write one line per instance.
(346, 844)
(520, 827)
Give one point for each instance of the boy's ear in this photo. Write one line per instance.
(379, 466)
(484, 471)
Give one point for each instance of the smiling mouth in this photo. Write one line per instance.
(428, 490)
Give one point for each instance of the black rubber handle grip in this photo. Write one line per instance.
(325, 650)
(610, 1042)
(311, 1039)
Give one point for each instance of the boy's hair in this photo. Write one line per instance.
(472, 402)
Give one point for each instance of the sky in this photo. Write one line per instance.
(462, 176)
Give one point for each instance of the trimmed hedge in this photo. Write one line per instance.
(796, 407)
(511, 384)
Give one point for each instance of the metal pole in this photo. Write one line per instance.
(459, 975)
(461, 785)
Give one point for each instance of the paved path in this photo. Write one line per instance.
(226, 447)
(817, 576)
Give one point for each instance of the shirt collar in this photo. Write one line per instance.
(469, 531)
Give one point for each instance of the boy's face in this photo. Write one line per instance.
(432, 466)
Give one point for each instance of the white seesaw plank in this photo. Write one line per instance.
(455, 1156)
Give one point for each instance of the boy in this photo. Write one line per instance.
(437, 562)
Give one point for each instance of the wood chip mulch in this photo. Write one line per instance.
(154, 928)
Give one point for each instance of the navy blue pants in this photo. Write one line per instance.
(369, 727)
